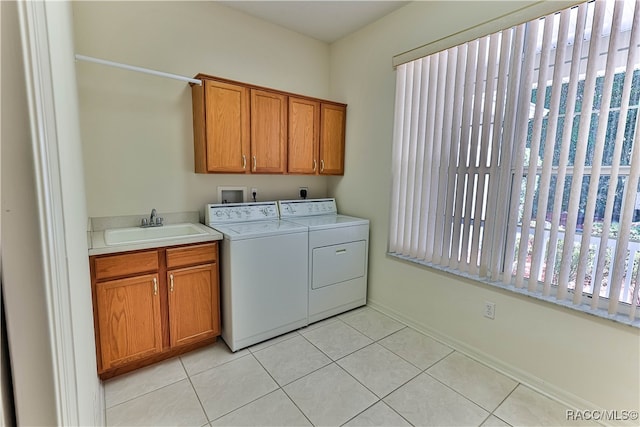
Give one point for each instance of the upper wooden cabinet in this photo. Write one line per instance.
(332, 130)
(304, 135)
(268, 132)
(221, 127)
(242, 128)
(316, 137)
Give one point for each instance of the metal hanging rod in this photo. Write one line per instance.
(138, 69)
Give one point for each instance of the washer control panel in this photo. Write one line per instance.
(296, 208)
(226, 213)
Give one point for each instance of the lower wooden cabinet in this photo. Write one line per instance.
(129, 319)
(193, 304)
(149, 311)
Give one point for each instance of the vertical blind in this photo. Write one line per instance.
(516, 158)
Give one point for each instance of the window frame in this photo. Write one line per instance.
(502, 253)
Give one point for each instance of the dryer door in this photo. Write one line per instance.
(338, 263)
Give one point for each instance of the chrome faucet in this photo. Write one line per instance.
(153, 221)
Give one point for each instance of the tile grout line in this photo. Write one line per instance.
(361, 412)
(469, 399)
(282, 387)
(204, 411)
(296, 405)
(408, 361)
(504, 400)
(371, 406)
(297, 331)
(423, 371)
(329, 364)
(145, 393)
(218, 365)
(305, 375)
(336, 362)
(348, 354)
(257, 398)
(458, 393)
(381, 399)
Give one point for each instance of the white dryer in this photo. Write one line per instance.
(263, 272)
(338, 255)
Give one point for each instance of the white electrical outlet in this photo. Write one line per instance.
(490, 310)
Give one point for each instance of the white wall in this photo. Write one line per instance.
(577, 357)
(137, 129)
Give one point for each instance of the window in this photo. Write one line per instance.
(508, 146)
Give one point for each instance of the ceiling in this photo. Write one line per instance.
(324, 20)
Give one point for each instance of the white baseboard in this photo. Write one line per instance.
(552, 391)
(99, 406)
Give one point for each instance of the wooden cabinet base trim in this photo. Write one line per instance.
(167, 354)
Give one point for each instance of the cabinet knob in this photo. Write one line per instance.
(244, 161)
(315, 163)
(321, 165)
(155, 286)
(171, 282)
(254, 163)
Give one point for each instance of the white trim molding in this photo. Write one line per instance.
(42, 114)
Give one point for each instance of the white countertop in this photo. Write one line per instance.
(99, 247)
(97, 227)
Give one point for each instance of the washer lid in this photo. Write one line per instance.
(320, 222)
(248, 230)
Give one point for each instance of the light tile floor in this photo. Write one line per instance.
(360, 368)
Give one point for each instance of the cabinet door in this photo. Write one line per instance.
(332, 128)
(226, 126)
(268, 132)
(193, 304)
(129, 319)
(304, 135)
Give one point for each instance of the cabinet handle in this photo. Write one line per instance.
(171, 280)
(321, 165)
(155, 286)
(315, 163)
(244, 161)
(254, 163)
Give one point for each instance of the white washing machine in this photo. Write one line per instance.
(263, 272)
(338, 255)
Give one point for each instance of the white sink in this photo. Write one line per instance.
(125, 236)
